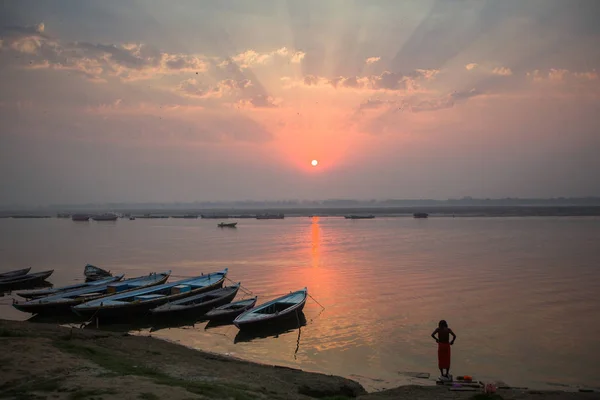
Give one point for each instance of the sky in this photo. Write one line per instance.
(157, 101)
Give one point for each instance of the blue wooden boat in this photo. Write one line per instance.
(35, 294)
(273, 312)
(140, 302)
(93, 273)
(199, 304)
(228, 312)
(62, 302)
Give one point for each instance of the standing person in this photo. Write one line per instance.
(444, 343)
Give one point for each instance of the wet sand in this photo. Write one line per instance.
(46, 361)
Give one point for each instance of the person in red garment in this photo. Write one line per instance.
(444, 343)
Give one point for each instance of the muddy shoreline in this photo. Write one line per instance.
(47, 361)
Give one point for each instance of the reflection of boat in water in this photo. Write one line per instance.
(359, 216)
(227, 225)
(228, 312)
(105, 217)
(273, 312)
(420, 215)
(285, 326)
(93, 273)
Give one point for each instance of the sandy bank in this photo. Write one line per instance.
(43, 361)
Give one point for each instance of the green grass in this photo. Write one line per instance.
(120, 365)
(10, 333)
(24, 390)
(148, 396)
(90, 393)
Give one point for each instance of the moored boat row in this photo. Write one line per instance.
(202, 296)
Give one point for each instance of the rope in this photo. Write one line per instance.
(85, 323)
(316, 301)
(243, 289)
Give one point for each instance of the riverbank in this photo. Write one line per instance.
(44, 361)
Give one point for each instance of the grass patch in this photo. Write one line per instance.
(148, 396)
(90, 393)
(25, 389)
(10, 333)
(120, 365)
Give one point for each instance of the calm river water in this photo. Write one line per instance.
(522, 294)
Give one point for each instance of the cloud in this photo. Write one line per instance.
(419, 102)
(127, 61)
(260, 101)
(252, 58)
(195, 88)
(386, 81)
(502, 71)
(557, 75)
(486, 68)
(372, 60)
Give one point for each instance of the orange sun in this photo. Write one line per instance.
(314, 163)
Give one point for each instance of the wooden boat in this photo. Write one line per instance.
(139, 302)
(105, 217)
(228, 312)
(80, 217)
(93, 273)
(199, 304)
(273, 312)
(227, 225)
(62, 302)
(35, 294)
(420, 215)
(16, 272)
(359, 216)
(21, 280)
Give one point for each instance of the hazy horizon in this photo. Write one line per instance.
(136, 102)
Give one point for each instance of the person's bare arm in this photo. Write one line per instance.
(433, 334)
(453, 336)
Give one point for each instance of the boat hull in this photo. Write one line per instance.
(228, 315)
(196, 309)
(132, 309)
(36, 294)
(15, 273)
(65, 307)
(273, 320)
(24, 280)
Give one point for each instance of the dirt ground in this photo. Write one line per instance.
(45, 361)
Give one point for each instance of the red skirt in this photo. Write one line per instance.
(443, 355)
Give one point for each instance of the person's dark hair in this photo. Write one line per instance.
(443, 324)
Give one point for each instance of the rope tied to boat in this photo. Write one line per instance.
(85, 323)
(242, 288)
(323, 307)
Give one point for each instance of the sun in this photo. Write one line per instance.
(314, 163)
